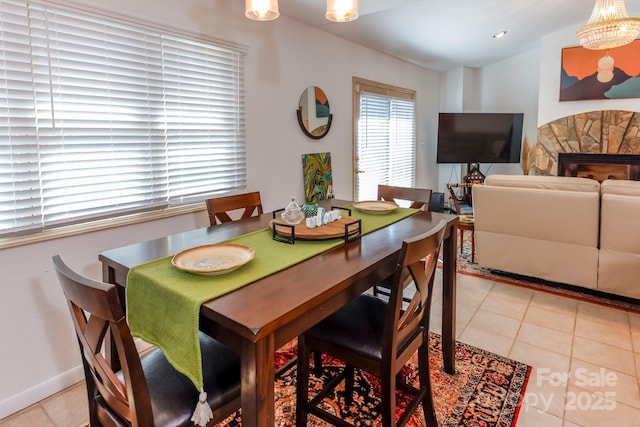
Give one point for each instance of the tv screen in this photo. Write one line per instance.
(479, 137)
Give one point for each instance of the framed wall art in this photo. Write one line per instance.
(316, 169)
(600, 74)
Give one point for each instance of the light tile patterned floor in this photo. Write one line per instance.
(586, 358)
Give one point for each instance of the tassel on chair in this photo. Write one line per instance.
(202, 414)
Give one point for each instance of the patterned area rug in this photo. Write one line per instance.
(465, 266)
(486, 390)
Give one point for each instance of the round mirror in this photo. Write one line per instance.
(314, 115)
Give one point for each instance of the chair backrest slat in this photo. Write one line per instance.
(460, 206)
(416, 266)
(419, 198)
(249, 204)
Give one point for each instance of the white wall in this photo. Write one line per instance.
(511, 86)
(39, 354)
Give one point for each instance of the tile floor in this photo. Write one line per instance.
(586, 358)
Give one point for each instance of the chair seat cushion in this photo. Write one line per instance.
(173, 395)
(361, 326)
(464, 210)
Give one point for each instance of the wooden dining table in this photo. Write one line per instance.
(257, 319)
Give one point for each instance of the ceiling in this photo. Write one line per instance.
(445, 34)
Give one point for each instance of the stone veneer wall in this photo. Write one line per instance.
(608, 131)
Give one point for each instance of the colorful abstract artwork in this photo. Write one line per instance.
(600, 74)
(316, 170)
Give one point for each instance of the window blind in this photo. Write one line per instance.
(105, 118)
(385, 139)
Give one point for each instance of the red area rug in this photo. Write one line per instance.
(486, 390)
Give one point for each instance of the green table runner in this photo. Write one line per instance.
(163, 303)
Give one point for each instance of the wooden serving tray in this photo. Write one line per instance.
(332, 230)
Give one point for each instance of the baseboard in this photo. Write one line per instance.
(30, 396)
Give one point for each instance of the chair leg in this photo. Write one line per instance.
(317, 364)
(302, 387)
(388, 400)
(349, 379)
(91, 393)
(425, 383)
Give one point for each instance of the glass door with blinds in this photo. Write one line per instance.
(384, 144)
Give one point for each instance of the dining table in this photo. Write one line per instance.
(257, 319)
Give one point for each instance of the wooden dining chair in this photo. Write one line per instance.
(457, 204)
(147, 391)
(465, 213)
(249, 205)
(379, 338)
(418, 198)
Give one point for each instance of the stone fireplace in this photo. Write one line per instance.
(595, 132)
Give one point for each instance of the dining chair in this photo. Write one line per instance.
(249, 204)
(457, 204)
(378, 337)
(147, 391)
(418, 198)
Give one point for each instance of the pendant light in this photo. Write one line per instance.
(261, 10)
(342, 10)
(609, 26)
(267, 10)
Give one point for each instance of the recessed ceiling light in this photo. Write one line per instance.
(500, 35)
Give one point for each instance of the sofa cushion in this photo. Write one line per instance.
(562, 216)
(554, 261)
(623, 187)
(619, 263)
(539, 226)
(565, 183)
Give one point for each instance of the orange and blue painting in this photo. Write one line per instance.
(600, 74)
(316, 169)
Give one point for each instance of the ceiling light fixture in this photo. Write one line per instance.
(267, 10)
(500, 34)
(342, 10)
(261, 10)
(609, 26)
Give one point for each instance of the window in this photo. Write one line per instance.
(385, 137)
(101, 118)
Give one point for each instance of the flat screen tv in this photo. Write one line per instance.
(479, 137)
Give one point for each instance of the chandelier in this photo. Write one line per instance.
(337, 10)
(609, 26)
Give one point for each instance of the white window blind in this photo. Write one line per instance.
(104, 118)
(385, 138)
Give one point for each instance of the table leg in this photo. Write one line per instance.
(449, 301)
(258, 396)
(473, 246)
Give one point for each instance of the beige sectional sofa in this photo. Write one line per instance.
(568, 230)
(619, 257)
